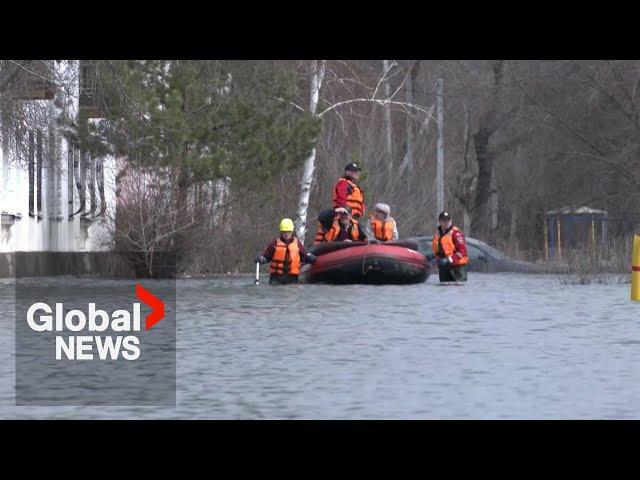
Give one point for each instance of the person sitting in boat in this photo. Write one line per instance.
(346, 193)
(325, 221)
(382, 225)
(285, 253)
(343, 228)
(450, 250)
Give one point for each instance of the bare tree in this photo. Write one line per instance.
(322, 72)
(144, 221)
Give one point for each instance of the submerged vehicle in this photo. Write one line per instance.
(371, 263)
(485, 258)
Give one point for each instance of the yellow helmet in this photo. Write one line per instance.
(286, 225)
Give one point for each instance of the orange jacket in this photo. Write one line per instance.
(382, 229)
(333, 234)
(286, 258)
(347, 194)
(320, 233)
(450, 245)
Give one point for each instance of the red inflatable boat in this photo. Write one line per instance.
(373, 263)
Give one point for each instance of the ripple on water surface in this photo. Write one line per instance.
(502, 346)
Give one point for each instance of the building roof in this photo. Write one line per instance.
(576, 211)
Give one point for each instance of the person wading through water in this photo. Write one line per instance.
(450, 250)
(286, 253)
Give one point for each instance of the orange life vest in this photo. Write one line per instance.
(355, 198)
(383, 229)
(286, 258)
(320, 233)
(448, 247)
(332, 234)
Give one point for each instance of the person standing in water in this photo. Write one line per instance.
(286, 253)
(450, 251)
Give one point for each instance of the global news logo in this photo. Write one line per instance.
(117, 336)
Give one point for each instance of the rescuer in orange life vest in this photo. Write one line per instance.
(450, 250)
(325, 222)
(346, 193)
(383, 226)
(286, 253)
(338, 226)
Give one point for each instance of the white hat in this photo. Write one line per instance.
(383, 207)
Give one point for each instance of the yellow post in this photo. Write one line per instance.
(635, 269)
(546, 241)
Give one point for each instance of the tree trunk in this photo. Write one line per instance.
(485, 199)
(440, 166)
(422, 131)
(182, 185)
(52, 173)
(485, 166)
(466, 221)
(408, 94)
(513, 239)
(466, 136)
(466, 194)
(388, 146)
(309, 165)
(493, 199)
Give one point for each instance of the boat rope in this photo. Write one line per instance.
(364, 260)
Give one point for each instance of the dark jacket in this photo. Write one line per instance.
(346, 234)
(326, 217)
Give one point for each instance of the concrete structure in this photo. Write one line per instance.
(54, 197)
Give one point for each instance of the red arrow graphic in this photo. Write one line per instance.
(157, 306)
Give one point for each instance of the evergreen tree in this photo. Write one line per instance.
(190, 123)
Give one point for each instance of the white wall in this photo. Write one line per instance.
(58, 233)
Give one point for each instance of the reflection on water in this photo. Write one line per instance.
(502, 346)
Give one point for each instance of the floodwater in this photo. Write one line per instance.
(503, 346)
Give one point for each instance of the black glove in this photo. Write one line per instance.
(430, 257)
(443, 262)
(260, 259)
(311, 258)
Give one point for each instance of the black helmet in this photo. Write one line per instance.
(352, 167)
(444, 216)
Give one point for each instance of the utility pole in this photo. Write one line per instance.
(388, 147)
(408, 92)
(440, 166)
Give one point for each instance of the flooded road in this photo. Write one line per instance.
(502, 346)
